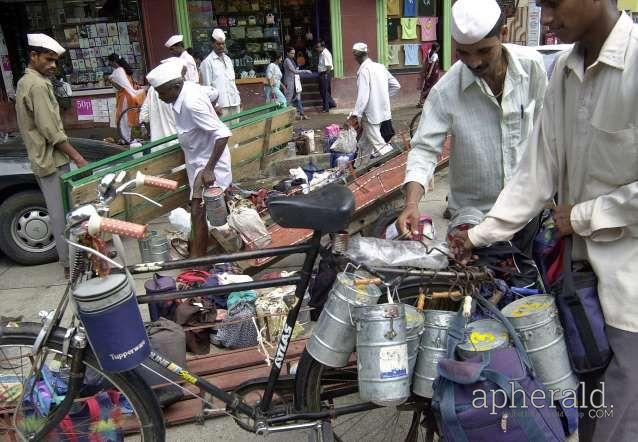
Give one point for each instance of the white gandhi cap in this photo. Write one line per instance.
(164, 73)
(174, 40)
(44, 41)
(361, 47)
(219, 35)
(472, 20)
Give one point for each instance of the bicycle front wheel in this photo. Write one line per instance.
(319, 387)
(111, 407)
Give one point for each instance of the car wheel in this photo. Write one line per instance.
(25, 232)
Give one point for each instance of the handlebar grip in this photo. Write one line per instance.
(98, 224)
(162, 183)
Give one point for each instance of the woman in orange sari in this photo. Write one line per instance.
(128, 93)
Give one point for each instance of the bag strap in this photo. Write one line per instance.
(520, 348)
(593, 353)
(524, 419)
(94, 409)
(448, 412)
(68, 429)
(190, 277)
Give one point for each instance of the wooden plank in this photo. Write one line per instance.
(267, 160)
(283, 119)
(247, 133)
(248, 169)
(280, 137)
(157, 166)
(246, 152)
(143, 215)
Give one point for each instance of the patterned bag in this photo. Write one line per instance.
(238, 330)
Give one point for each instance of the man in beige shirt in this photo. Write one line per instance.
(40, 124)
(585, 148)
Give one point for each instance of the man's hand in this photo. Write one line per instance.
(408, 221)
(208, 177)
(460, 245)
(218, 109)
(562, 218)
(353, 121)
(80, 161)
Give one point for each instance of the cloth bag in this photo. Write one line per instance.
(298, 87)
(505, 370)
(251, 227)
(161, 284)
(387, 131)
(346, 142)
(581, 316)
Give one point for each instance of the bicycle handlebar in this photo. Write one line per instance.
(154, 181)
(99, 224)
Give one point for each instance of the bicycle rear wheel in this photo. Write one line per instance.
(130, 410)
(319, 387)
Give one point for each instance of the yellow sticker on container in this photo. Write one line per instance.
(528, 308)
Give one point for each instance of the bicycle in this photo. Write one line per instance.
(324, 211)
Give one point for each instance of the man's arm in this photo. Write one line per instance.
(145, 112)
(427, 144)
(539, 84)
(46, 115)
(607, 217)
(363, 93)
(206, 74)
(393, 85)
(327, 60)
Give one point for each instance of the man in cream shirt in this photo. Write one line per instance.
(487, 101)
(217, 71)
(585, 148)
(203, 138)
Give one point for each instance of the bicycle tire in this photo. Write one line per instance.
(308, 397)
(129, 383)
(414, 124)
(123, 115)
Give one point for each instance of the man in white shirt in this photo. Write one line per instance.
(487, 101)
(375, 86)
(585, 149)
(203, 138)
(175, 45)
(217, 71)
(325, 69)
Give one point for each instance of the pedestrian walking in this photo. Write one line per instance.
(585, 151)
(325, 68)
(375, 86)
(272, 88)
(40, 125)
(429, 72)
(292, 79)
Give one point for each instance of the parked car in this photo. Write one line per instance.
(550, 53)
(25, 234)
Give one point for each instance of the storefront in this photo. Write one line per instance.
(90, 30)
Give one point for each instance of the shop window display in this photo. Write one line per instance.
(89, 30)
(412, 28)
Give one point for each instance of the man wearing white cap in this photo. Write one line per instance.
(375, 86)
(41, 127)
(175, 45)
(585, 150)
(203, 138)
(488, 102)
(217, 71)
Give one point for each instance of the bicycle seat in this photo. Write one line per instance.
(328, 209)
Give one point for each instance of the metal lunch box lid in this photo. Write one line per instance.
(484, 335)
(213, 192)
(379, 312)
(529, 310)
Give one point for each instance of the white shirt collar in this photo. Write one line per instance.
(363, 64)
